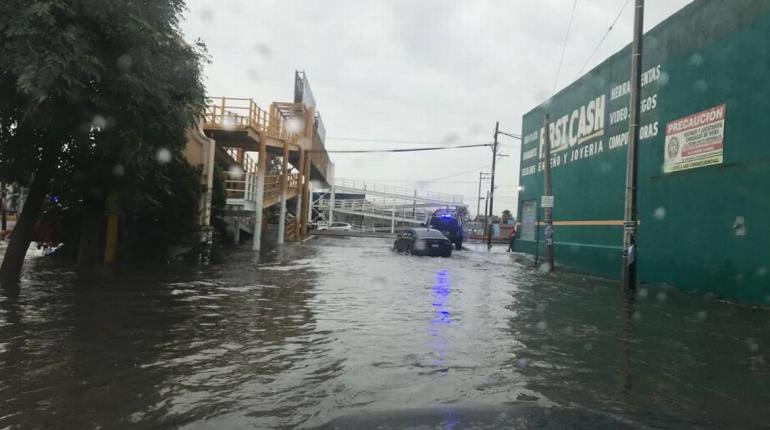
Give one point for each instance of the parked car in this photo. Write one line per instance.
(423, 241)
(449, 222)
(341, 226)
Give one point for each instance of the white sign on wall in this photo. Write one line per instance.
(696, 140)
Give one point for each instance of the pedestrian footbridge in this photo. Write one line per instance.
(360, 201)
(268, 158)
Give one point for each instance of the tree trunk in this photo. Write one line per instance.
(91, 227)
(22, 233)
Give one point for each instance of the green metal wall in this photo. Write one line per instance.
(711, 52)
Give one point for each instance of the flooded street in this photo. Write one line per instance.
(343, 330)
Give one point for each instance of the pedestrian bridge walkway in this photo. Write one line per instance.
(399, 205)
(268, 156)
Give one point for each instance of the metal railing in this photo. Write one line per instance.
(244, 186)
(231, 113)
(404, 192)
(365, 207)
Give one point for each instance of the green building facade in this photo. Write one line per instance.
(704, 157)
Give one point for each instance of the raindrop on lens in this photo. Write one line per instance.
(588, 346)
(124, 62)
(701, 85)
(118, 170)
(542, 325)
(660, 213)
(540, 308)
(235, 172)
(642, 293)
(762, 272)
(522, 363)
(663, 79)
(696, 60)
(294, 125)
(661, 296)
(637, 316)
(163, 156)
(701, 315)
(752, 344)
(99, 122)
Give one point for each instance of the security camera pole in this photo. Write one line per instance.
(630, 220)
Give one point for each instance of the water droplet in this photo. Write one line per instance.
(263, 50)
(661, 296)
(664, 79)
(762, 272)
(701, 315)
(569, 330)
(235, 172)
(99, 122)
(295, 125)
(252, 74)
(696, 60)
(542, 325)
(124, 62)
(660, 213)
(540, 308)
(545, 267)
(450, 138)
(522, 363)
(752, 344)
(163, 156)
(118, 170)
(588, 346)
(207, 15)
(642, 293)
(636, 316)
(701, 85)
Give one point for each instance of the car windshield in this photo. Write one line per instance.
(370, 214)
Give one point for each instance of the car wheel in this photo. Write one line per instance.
(459, 245)
(408, 250)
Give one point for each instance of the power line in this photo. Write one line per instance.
(604, 37)
(564, 46)
(411, 142)
(433, 148)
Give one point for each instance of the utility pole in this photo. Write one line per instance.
(3, 218)
(492, 184)
(630, 219)
(478, 200)
(486, 218)
(549, 257)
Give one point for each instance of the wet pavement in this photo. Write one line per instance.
(343, 333)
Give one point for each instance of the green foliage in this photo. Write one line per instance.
(161, 209)
(106, 84)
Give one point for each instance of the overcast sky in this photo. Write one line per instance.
(416, 70)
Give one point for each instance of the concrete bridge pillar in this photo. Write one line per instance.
(284, 184)
(260, 198)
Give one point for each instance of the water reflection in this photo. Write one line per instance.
(347, 328)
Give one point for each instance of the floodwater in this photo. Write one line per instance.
(343, 333)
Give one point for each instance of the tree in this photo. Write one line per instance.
(92, 91)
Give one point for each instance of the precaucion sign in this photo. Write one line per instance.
(696, 140)
(546, 201)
